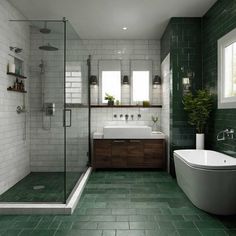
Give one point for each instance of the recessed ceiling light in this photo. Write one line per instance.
(125, 28)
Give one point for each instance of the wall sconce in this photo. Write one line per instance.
(156, 81)
(125, 79)
(187, 79)
(93, 80)
(186, 85)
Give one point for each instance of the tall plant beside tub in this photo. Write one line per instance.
(198, 107)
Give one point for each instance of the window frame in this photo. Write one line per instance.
(225, 41)
(78, 69)
(108, 65)
(141, 65)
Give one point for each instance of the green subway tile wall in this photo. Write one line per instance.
(182, 39)
(192, 44)
(218, 21)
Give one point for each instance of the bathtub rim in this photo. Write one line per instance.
(204, 167)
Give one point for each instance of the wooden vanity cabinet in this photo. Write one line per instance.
(134, 153)
(129, 153)
(118, 153)
(102, 153)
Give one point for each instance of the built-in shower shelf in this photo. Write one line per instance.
(16, 75)
(14, 90)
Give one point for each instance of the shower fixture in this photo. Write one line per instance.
(48, 47)
(45, 30)
(16, 49)
(42, 67)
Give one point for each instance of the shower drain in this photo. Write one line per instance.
(38, 187)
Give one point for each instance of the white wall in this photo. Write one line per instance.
(165, 114)
(124, 50)
(105, 116)
(14, 152)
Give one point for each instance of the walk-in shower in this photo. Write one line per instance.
(58, 114)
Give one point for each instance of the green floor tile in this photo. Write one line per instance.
(184, 225)
(109, 233)
(143, 225)
(113, 225)
(189, 232)
(213, 232)
(53, 190)
(209, 224)
(130, 233)
(117, 203)
(85, 225)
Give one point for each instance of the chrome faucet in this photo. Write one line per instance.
(225, 134)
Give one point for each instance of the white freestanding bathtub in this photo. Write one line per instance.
(208, 178)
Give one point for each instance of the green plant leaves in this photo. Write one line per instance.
(198, 108)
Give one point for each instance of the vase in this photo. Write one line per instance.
(200, 141)
(154, 127)
(110, 103)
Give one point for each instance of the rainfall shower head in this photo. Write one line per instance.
(48, 47)
(45, 30)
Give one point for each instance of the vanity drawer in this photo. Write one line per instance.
(129, 153)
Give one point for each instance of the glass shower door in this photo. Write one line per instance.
(76, 110)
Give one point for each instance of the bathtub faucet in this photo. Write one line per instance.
(225, 134)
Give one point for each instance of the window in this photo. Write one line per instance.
(110, 74)
(111, 84)
(140, 85)
(141, 80)
(73, 83)
(227, 71)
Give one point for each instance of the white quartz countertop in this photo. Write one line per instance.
(154, 135)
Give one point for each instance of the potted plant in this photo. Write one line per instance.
(198, 108)
(110, 99)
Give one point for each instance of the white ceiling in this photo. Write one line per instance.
(104, 19)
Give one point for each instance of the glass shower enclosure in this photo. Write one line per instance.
(57, 112)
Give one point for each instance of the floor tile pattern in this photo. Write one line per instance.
(53, 190)
(125, 203)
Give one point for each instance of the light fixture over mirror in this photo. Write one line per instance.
(156, 81)
(93, 80)
(125, 79)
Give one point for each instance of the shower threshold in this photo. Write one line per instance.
(8, 208)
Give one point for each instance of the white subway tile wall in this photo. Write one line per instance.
(47, 133)
(124, 50)
(14, 141)
(112, 116)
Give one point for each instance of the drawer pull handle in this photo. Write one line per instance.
(118, 141)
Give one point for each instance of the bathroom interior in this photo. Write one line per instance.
(118, 118)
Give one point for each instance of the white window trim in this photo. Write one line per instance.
(150, 79)
(224, 103)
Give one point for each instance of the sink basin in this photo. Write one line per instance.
(127, 132)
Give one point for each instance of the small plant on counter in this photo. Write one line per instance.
(110, 99)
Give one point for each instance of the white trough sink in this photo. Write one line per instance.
(129, 132)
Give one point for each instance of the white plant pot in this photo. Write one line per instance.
(200, 138)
